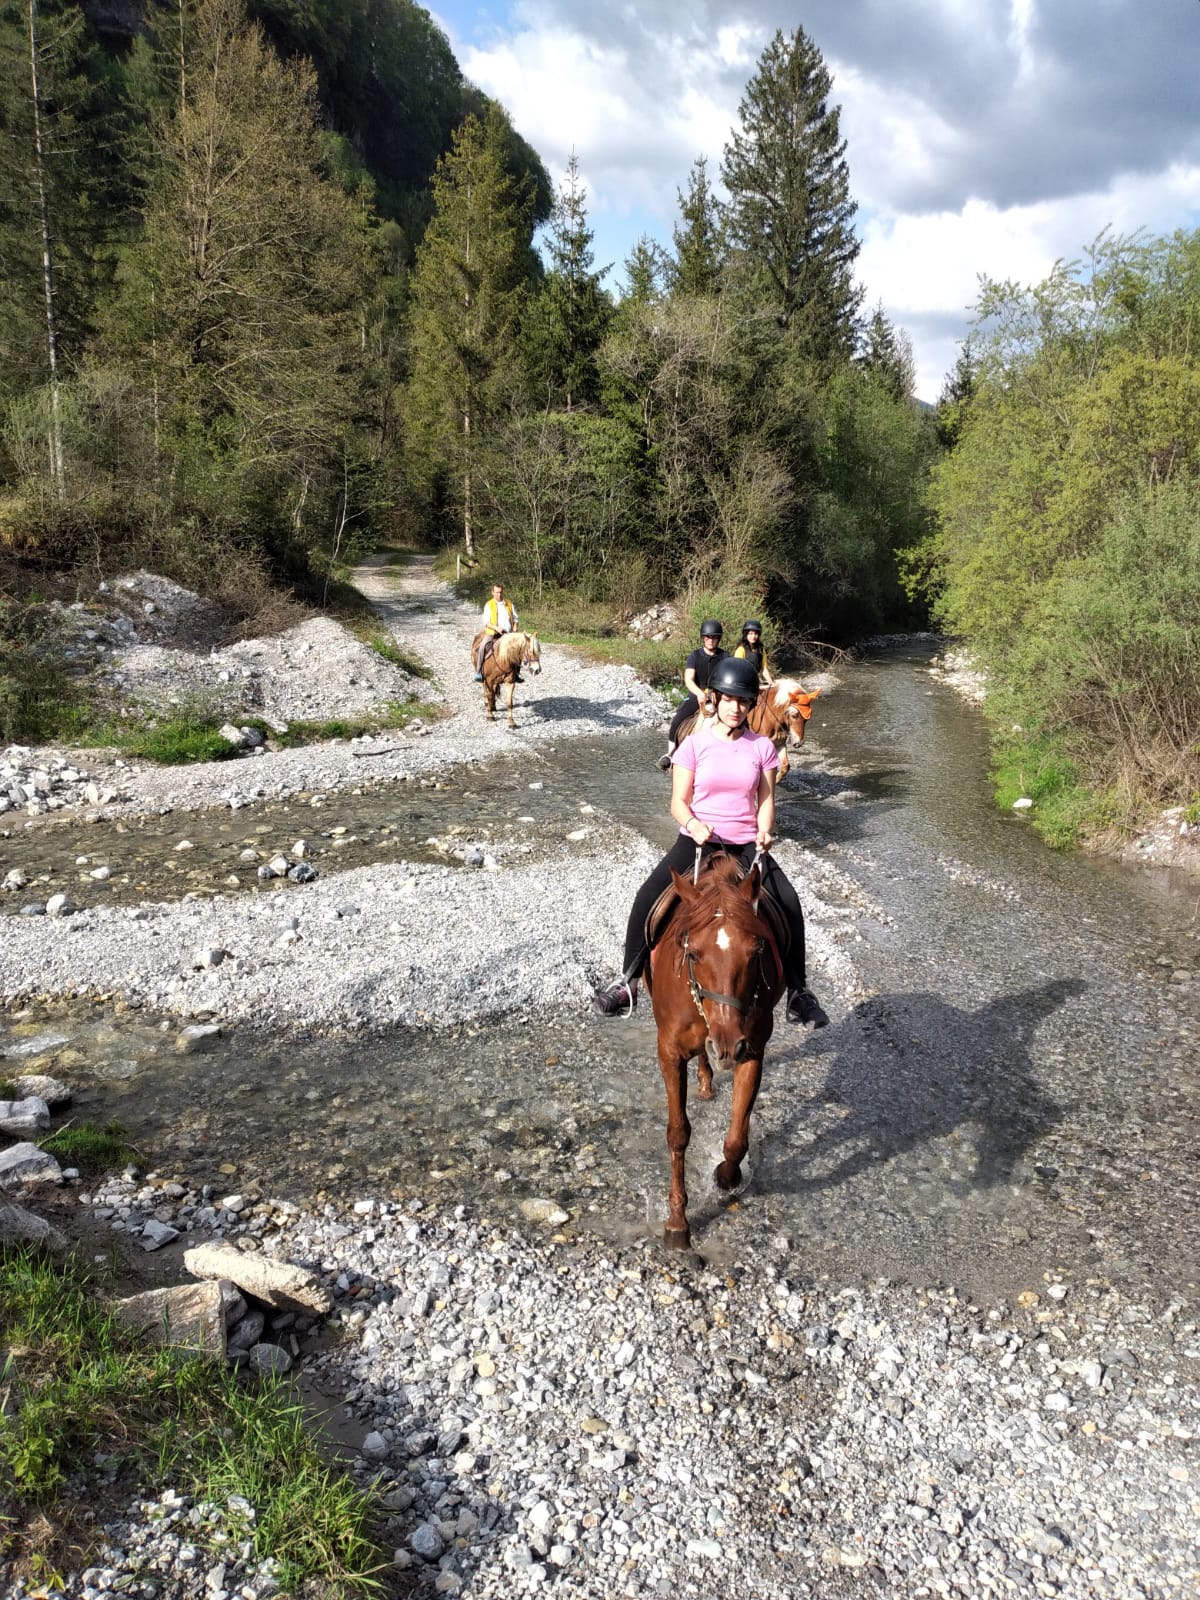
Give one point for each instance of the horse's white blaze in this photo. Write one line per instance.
(722, 939)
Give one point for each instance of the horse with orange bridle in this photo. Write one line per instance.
(781, 713)
(714, 978)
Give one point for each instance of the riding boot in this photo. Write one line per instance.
(664, 762)
(804, 1007)
(619, 999)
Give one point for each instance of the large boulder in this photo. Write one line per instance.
(275, 1283)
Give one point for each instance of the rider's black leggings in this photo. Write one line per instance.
(682, 856)
(687, 707)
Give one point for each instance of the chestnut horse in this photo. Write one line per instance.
(714, 978)
(509, 653)
(781, 712)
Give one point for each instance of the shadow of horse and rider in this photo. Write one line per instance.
(907, 1070)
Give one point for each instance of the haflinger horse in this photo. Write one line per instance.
(509, 653)
(781, 712)
(714, 978)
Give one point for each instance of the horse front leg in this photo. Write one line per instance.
(676, 1234)
(747, 1076)
(784, 765)
(511, 687)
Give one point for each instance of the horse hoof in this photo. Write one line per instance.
(727, 1176)
(705, 1090)
(677, 1238)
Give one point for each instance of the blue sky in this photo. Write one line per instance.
(983, 136)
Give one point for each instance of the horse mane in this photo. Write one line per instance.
(782, 691)
(509, 647)
(712, 896)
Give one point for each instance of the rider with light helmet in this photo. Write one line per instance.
(723, 798)
(751, 648)
(697, 670)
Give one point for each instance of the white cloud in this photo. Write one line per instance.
(983, 135)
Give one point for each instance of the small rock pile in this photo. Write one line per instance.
(33, 787)
(658, 623)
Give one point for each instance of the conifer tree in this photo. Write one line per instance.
(467, 292)
(643, 274)
(790, 212)
(570, 316)
(887, 355)
(696, 268)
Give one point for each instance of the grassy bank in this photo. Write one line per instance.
(95, 1416)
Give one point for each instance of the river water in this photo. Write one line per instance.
(1011, 1093)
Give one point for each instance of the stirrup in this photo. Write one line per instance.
(804, 1007)
(613, 1001)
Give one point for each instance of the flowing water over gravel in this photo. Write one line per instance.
(1006, 1101)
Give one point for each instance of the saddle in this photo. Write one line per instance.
(659, 916)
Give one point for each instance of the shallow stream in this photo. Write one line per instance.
(1013, 1090)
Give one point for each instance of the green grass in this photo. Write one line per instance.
(83, 1389)
(1035, 766)
(93, 1150)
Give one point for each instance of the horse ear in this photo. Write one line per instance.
(681, 883)
(753, 886)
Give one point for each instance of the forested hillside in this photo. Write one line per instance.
(269, 294)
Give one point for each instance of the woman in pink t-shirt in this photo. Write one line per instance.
(723, 797)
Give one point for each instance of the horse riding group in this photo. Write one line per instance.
(716, 932)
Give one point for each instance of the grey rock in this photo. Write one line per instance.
(270, 1359)
(25, 1163)
(190, 1315)
(51, 1090)
(20, 1117)
(19, 1226)
(276, 1283)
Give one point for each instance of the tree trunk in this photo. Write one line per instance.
(56, 449)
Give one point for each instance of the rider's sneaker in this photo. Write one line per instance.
(664, 762)
(804, 1007)
(518, 678)
(479, 677)
(618, 1000)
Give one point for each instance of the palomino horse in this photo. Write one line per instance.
(509, 653)
(781, 712)
(714, 978)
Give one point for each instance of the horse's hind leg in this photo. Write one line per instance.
(679, 1132)
(747, 1076)
(511, 722)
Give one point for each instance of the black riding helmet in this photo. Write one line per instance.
(752, 626)
(711, 629)
(739, 679)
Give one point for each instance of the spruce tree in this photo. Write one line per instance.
(887, 356)
(790, 212)
(570, 316)
(696, 268)
(643, 274)
(467, 291)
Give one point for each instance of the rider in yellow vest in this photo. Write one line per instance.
(499, 616)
